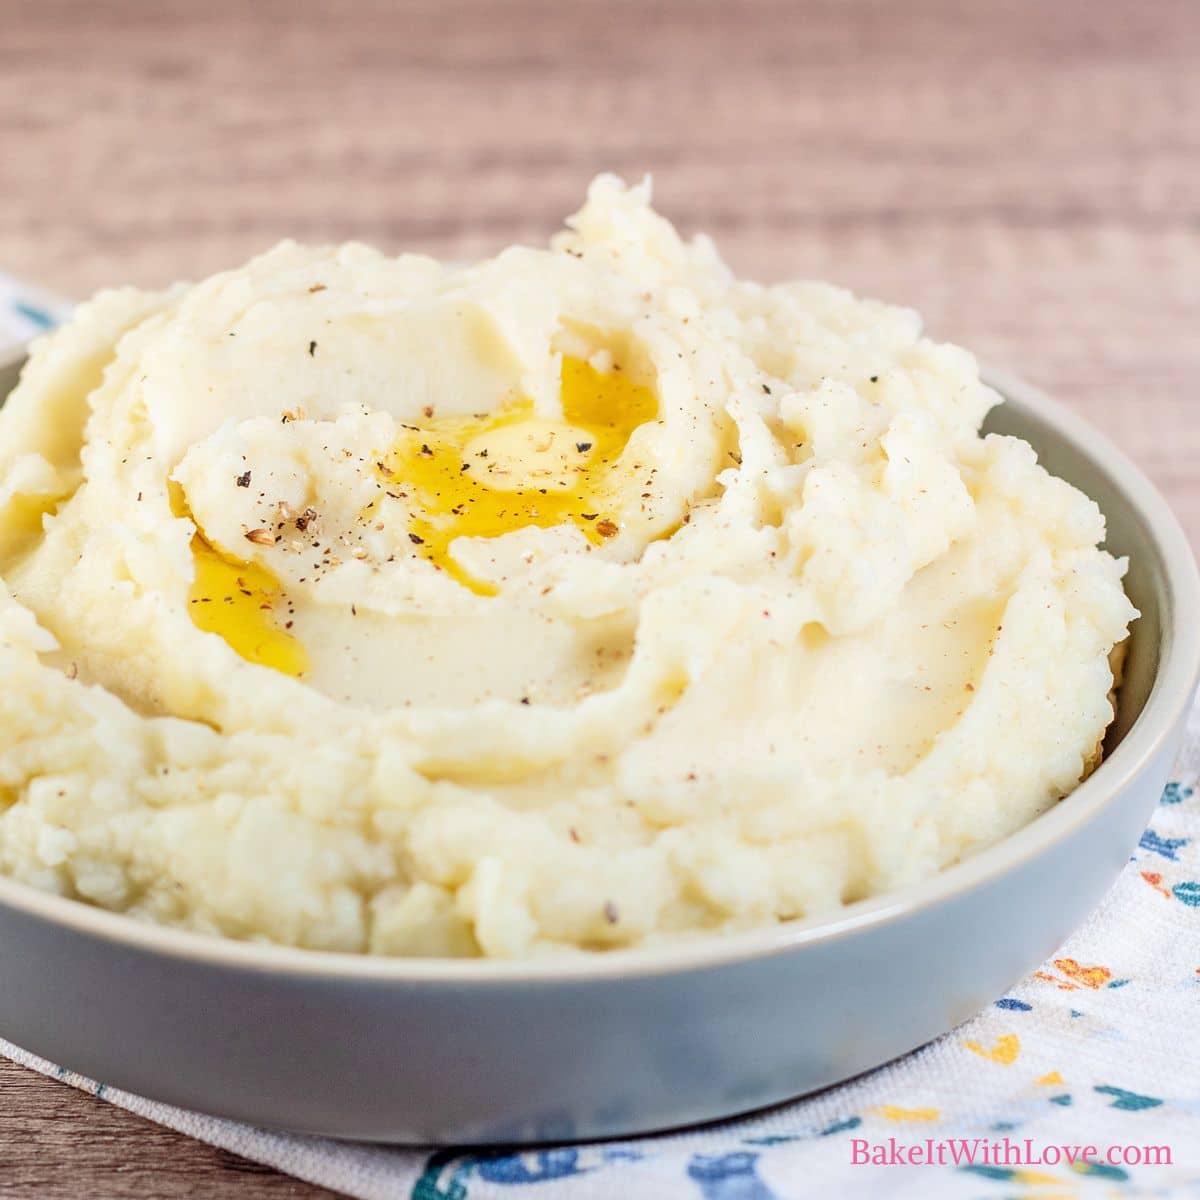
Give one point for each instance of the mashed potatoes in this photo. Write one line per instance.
(579, 598)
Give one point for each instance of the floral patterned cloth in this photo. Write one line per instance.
(1099, 1047)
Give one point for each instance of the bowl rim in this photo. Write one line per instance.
(1169, 699)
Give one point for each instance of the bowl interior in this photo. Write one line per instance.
(9, 372)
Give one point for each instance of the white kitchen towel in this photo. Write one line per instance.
(24, 313)
(1098, 1049)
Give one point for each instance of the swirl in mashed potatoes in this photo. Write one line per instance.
(581, 598)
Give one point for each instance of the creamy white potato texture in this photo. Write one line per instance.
(581, 598)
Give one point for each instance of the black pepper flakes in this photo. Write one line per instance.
(416, 539)
(243, 480)
(312, 349)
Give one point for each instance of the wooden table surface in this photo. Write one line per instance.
(1023, 173)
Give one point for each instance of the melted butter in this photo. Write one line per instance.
(484, 476)
(238, 601)
(464, 477)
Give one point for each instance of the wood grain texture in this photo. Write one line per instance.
(57, 1143)
(1023, 173)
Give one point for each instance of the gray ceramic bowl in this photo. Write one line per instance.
(433, 1051)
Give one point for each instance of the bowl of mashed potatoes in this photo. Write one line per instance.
(556, 696)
